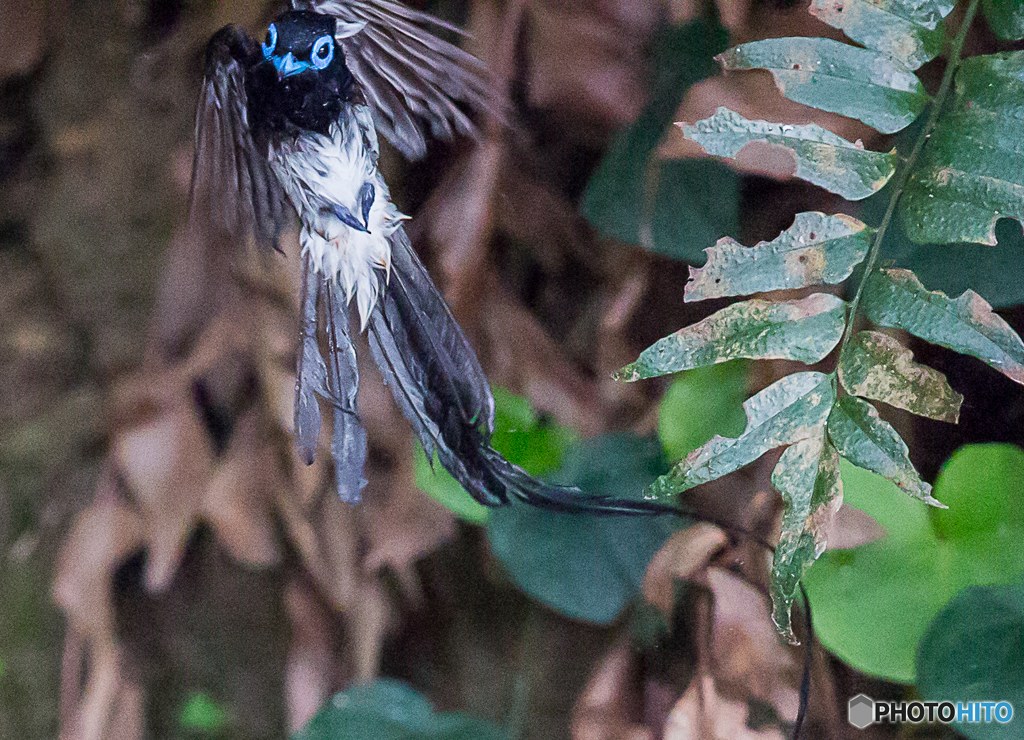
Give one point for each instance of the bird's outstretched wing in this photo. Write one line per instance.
(234, 192)
(411, 79)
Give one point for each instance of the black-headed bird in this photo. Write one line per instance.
(293, 122)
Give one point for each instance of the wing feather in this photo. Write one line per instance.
(233, 188)
(440, 336)
(411, 79)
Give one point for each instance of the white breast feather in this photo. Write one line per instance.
(319, 172)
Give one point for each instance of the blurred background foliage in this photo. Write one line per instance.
(211, 587)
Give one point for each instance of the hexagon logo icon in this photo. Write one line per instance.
(861, 711)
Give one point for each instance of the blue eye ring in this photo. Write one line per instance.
(271, 43)
(320, 58)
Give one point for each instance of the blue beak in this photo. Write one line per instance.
(288, 65)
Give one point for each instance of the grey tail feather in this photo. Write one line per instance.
(311, 373)
(348, 444)
(336, 381)
(438, 384)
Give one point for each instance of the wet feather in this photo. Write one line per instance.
(404, 69)
(348, 444)
(311, 370)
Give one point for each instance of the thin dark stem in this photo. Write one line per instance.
(805, 681)
(900, 183)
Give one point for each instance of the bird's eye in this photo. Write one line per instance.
(271, 42)
(323, 52)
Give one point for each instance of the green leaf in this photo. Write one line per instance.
(815, 249)
(695, 202)
(896, 298)
(973, 651)
(867, 441)
(673, 208)
(826, 74)
(701, 403)
(586, 567)
(822, 157)
(971, 171)
(524, 438)
(805, 330)
(783, 413)
(997, 273)
(436, 482)
(998, 469)
(876, 366)
(925, 13)
(807, 476)
(909, 32)
(532, 442)
(873, 603)
(390, 709)
(202, 714)
(1005, 18)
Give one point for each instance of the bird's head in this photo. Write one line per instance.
(303, 78)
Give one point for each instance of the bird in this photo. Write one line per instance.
(289, 126)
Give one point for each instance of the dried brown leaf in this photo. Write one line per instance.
(370, 617)
(588, 68)
(703, 714)
(399, 524)
(23, 26)
(167, 462)
(461, 224)
(685, 555)
(311, 668)
(525, 359)
(108, 706)
(732, 14)
(609, 707)
(852, 528)
(327, 540)
(102, 536)
(240, 493)
(747, 654)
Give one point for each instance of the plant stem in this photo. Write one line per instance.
(900, 183)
